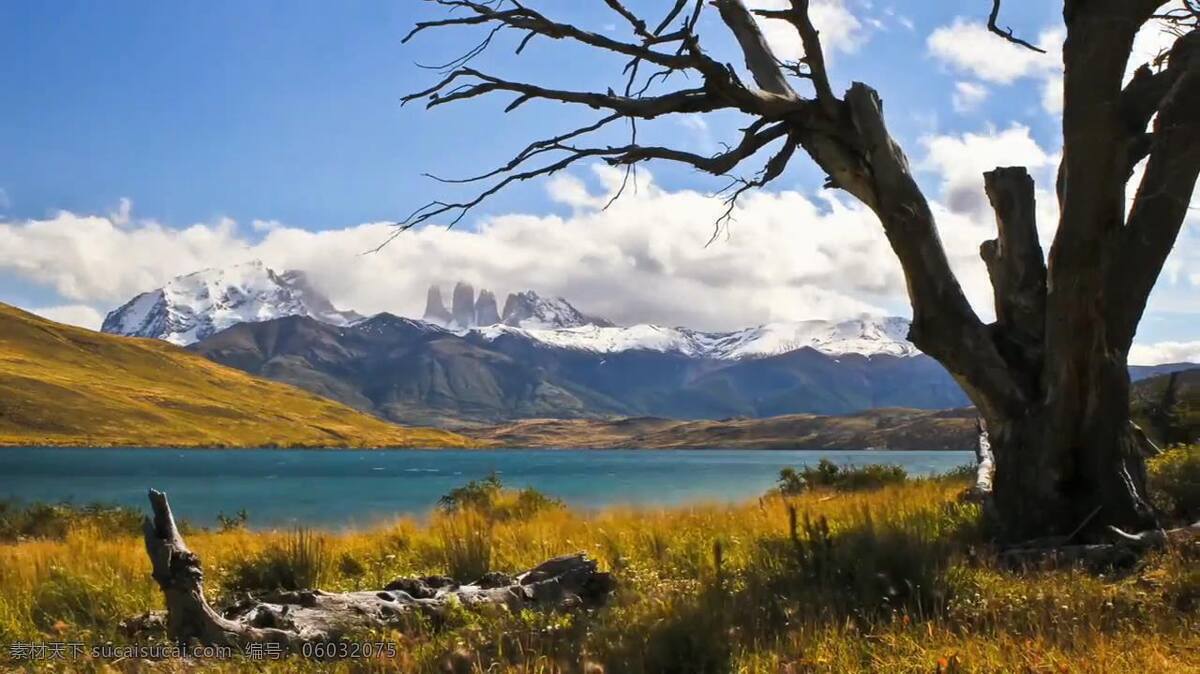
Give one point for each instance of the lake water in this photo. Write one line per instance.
(341, 488)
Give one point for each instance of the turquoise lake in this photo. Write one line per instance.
(341, 488)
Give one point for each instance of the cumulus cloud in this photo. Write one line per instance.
(841, 31)
(1164, 352)
(787, 256)
(81, 315)
(967, 96)
(961, 160)
(967, 46)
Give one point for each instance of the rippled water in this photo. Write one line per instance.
(337, 488)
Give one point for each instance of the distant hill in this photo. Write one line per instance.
(896, 429)
(1168, 407)
(411, 371)
(61, 385)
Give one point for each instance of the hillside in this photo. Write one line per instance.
(416, 373)
(901, 429)
(1168, 407)
(61, 385)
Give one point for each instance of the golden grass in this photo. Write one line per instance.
(61, 385)
(893, 580)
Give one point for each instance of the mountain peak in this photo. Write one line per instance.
(525, 309)
(191, 307)
(529, 310)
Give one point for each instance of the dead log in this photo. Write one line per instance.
(312, 616)
(1122, 553)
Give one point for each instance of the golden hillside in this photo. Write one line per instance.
(62, 385)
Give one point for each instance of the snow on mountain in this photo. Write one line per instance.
(865, 336)
(525, 309)
(191, 307)
(530, 310)
(609, 339)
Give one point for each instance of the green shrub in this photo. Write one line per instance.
(476, 494)
(491, 499)
(301, 562)
(827, 474)
(54, 520)
(1174, 482)
(232, 523)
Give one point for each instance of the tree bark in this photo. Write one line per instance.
(312, 616)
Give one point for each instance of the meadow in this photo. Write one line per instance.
(832, 574)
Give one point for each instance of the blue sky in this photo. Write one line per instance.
(218, 114)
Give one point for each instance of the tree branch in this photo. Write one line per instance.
(1014, 259)
(1018, 273)
(759, 58)
(1007, 33)
(1164, 195)
(814, 55)
(944, 325)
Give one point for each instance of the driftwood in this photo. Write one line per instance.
(1125, 550)
(294, 619)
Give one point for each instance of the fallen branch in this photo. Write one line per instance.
(312, 616)
(1125, 551)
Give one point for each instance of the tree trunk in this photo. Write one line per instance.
(1071, 476)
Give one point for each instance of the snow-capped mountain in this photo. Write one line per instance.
(525, 309)
(864, 336)
(191, 307)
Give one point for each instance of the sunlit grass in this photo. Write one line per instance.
(895, 579)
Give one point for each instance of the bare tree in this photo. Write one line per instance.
(1049, 375)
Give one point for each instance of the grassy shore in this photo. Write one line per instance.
(891, 579)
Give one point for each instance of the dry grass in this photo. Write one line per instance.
(61, 385)
(892, 580)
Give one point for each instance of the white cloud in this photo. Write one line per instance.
(1164, 352)
(967, 96)
(787, 256)
(1052, 94)
(968, 46)
(841, 31)
(95, 260)
(960, 161)
(265, 225)
(81, 315)
(124, 213)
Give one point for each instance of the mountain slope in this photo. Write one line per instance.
(1168, 406)
(899, 429)
(401, 369)
(192, 307)
(66, 385)
(413, 372)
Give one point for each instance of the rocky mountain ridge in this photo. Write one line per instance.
(189, 308)
(525, 309)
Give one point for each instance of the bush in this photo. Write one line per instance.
(299, 563)
(54, 520)
(488, 497)
(1174, 482)
(828, 474)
